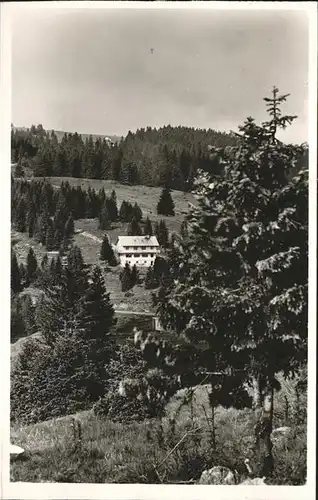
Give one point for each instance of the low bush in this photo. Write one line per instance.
(135, 392)
(50, 382)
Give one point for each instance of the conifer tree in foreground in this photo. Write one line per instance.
(68, 371)
(95, 322)
(239, 287)
(107, 252)
(58, 311)
(165, 204)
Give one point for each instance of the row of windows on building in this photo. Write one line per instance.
(137, 249)
(138, 262)
(136, 255)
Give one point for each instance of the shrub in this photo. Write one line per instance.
(54, 381)
(135, 392)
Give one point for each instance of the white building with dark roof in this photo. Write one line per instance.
(137, 250)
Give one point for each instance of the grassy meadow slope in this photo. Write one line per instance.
(108, 452)
(146, 197)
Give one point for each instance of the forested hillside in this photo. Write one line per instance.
(152, 157)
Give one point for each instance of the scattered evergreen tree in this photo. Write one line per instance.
(28, 314)
(104, 219)
(69, 229)
(20, 216)
(58, 237)
(134, 228)
(137, 212)
(49, 238)
(148, 227)
(165, 205)
(112, 206)
(184, 231)
(150, 281)
(162, 234)
(123, 212)
(107, 252)
(125, 278)
(16, 286)
(30, 221)
(31, 267)
(44, 262)
(23, 274)
(17, 326)
(134, 276)
(113, 197)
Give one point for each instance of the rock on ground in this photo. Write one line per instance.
(217, 475)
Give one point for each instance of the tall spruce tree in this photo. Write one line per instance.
(184, 229)
(96, 318)
(69, 229)
(107, 252)
(28, 314)
(17, 325)
(134, 228)
(20, 216)
(31, 267)
(134, 276)
(58, 311)
(240, 295)
(104, 218)
(148, 231)
(150, 281)
(30, 221)
(113, 197)
(49, 238)
(125, 278)
(165, 204)
(162, 233)
(137, 212)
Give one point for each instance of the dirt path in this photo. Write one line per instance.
(91, 236)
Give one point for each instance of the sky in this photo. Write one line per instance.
(108, 71)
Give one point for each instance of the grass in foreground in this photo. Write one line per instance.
(107, 452)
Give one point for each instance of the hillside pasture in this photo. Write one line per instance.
(22, 244)
(146, 197)
(148, 451)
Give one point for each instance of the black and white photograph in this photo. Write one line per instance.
(159, 203)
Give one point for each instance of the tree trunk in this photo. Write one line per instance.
(263, 430)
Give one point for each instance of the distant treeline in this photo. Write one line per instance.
(168, 156)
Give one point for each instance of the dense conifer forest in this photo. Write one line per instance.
(154, 157)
